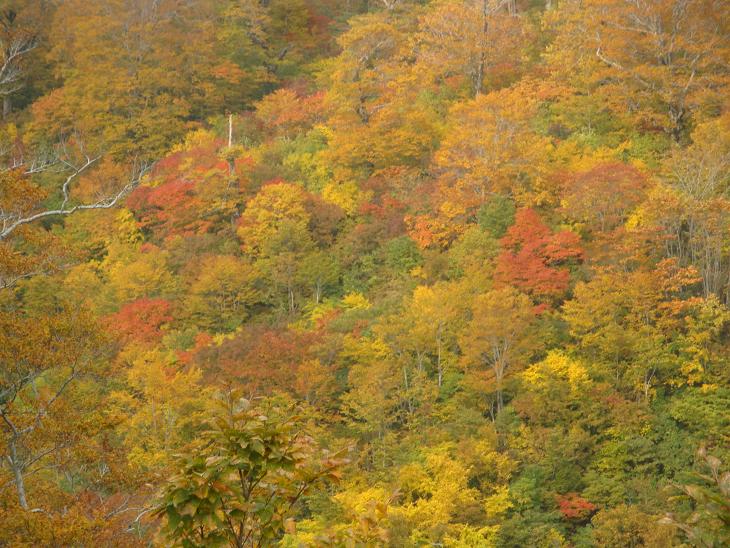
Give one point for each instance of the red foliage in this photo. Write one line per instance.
(533, 257)
(323, 321)
(201, 157)
(166, 208)
(388, 212)
(421, 230)
(575, 507)
(148, 247)
(187, 201)
(604, 194)
(140, 320)
(243, 164)
(260, 359)
(325, 218)
(287, 110)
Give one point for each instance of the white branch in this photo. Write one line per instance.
(9, 70)
(105, 203)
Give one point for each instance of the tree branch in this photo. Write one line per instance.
(105, 203)
(9, 71)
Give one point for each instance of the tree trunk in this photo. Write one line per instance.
(409, 403)
(481, 67)
(7, 106)
(18, 475)
(499, 369)
(439, 369)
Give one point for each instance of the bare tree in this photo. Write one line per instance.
(14, 47)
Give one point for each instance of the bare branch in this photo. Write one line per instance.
(76, 173)
(620, 67)
(9, 70)
(104, 203)
(10, 281)
(7, 420)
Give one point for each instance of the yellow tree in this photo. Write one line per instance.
(41, 361)
(162, 405)
(498, 335)
(492, 146)
(489, 149)
(275, 204)
(372, 400)
(554, 388)
(222, 291)
(435, 316)
(132, 71)
(23, 25)
(662, 60)
(435, 495)
(631, 324)
(379, 115)
(426, 326)
(699, 176)
(479, 41)
(240, 482)
(359, 76)
(274, 229)
(147, 275)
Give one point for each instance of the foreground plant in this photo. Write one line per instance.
(239, 484)
(709, 495)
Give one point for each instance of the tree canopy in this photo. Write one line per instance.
(368, 273)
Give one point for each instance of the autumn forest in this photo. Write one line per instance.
(361, 273)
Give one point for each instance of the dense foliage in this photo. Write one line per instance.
(365, 273)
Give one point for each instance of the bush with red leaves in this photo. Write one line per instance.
(140, 320)
(574, 507)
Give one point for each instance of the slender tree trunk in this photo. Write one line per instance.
(499, 368)
(7, 106)
(439, 369)
(17, 468)
(648, 376)
(229, 155)
(481, 67)
(409, 403)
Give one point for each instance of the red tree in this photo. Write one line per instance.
(140, 320)
(261, 359)
(534, 259)
(603, 196)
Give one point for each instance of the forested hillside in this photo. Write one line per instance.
(365, 273)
